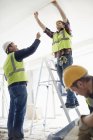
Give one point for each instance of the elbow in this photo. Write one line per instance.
(33, 51)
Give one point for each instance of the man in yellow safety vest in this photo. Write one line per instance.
(16, 77)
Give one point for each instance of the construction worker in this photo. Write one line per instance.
(61, 48)
(17, 81)
(76, 78)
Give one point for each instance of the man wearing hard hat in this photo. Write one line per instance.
(76, 78)
(16, 77)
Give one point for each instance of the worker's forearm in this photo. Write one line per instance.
(63, 15)
(40, 24)
(23, 53)
(88, 120)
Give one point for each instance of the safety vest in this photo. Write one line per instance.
(14, 70)
(89, 101)
(61, 40)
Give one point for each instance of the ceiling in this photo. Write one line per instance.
(17, 22)
(14, 11)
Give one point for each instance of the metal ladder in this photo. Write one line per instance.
(51, 78)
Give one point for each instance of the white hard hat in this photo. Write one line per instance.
(5, 45)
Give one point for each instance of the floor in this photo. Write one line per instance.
(41, 128)
(37, 131)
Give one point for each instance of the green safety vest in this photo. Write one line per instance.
(61, 40)
(89, 101)
(14, 70)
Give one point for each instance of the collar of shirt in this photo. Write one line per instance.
(60, 30)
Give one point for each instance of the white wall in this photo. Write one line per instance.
(22, 28)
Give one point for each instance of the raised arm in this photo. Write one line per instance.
(63, 15)
(39, 22)
(23, 53)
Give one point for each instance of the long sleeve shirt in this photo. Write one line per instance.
(51, 33)
(23, 53)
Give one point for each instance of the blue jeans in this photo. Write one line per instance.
(17, 110)
(71, 98)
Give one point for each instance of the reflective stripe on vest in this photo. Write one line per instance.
(64, 37)
(14, 67)
(61, 40)
(14, 70)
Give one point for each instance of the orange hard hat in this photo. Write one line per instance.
(72, 74)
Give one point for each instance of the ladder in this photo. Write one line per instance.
(3, 98)
(51, 78)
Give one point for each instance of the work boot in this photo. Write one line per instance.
(70, 105)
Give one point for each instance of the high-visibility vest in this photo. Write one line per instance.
(61, 40)
(14, 71)
(89, 101)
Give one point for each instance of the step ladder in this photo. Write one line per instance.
(3, 96)
(48, 63)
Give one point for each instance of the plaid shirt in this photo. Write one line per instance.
(50, 33)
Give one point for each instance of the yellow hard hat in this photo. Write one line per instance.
(72, 74)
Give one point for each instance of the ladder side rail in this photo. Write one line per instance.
(77, 111)
(58, 92)
(36, 95)
(46, 106)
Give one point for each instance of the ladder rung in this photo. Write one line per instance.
(64, 94)
(49, 81)
(53, 69)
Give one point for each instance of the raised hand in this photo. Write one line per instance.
(38, 35)
(36, 14)
(54, 2)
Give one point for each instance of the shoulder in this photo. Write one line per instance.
(68, 28)
(67, 24)
(49, 32)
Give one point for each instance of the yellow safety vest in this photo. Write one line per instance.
(89, 101)
(61, 40)
(14, 70)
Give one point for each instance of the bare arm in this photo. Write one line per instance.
(85, 125)
(88, 120)
(60, 10)
(39, 22)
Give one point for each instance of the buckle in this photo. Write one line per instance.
(62, 59)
